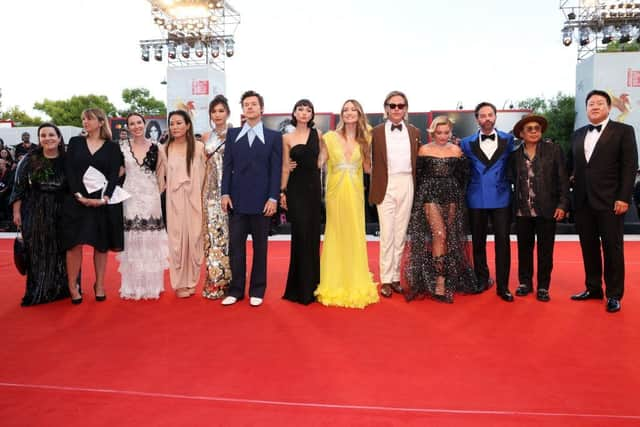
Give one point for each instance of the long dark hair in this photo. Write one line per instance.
(191, 141)
(40, 165)
(303, 103)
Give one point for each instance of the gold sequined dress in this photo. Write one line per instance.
(216, 226)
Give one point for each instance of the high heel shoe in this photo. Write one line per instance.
(76, 301)
(99, 298)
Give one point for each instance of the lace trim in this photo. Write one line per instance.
(143, 224)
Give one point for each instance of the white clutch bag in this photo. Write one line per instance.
(95, 180)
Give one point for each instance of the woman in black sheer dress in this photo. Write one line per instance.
(300, 196)
(437, 252)
(39, 189)
(88, 219)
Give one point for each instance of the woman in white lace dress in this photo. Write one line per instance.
(144, 259)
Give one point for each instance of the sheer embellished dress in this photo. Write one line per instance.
(144, 259)
(437, 255)
(41, 186)
(304, 205)
(216, 224)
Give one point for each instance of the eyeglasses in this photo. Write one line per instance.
(532, 128)
(398, 106)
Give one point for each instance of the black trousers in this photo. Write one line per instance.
(501, 221)
(528, 229)
(240, 226)
(596, 228)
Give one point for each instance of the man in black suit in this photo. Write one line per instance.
(603, 161)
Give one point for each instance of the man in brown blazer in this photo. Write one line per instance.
(394, 148)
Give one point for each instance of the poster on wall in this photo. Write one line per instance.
(617, 73)
(191, 90)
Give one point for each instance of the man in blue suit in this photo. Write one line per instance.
(489, 196)
(251, 172)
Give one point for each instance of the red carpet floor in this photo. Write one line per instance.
(172, 362)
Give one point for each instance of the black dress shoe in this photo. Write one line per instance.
(99, 298)
(543, 295)
(587, 295)
(613, 305)
(396, 287)
(76, 301)
(385, 290)
(505, 295)
(523, 290)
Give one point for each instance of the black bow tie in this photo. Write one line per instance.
(396, 127)
(491, 137)
(596, 127)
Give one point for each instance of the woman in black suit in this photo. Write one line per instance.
(541, 198)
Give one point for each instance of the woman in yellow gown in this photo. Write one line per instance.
(345, 280)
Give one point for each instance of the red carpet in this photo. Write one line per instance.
(172, 362)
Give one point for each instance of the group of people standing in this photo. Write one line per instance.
(428, 197)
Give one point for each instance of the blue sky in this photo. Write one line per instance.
(439, 53)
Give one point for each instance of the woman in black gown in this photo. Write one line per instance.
(88, 218)
(39, 189)
(300, 196)
(438, 262)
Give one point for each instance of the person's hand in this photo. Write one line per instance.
(17, 219)
(226, 203)
(558, 215)
(292, 165)
(620, 207)
(283, 201)
(270, 208)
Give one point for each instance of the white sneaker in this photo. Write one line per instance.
(255, 301)
(229, 300)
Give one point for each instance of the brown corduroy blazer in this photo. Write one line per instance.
(379, 168)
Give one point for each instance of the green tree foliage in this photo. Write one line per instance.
(68, 111)
(560, 113)
(616, 46)
(20, 117)
(141, 101)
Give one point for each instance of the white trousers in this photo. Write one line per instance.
(393, 214)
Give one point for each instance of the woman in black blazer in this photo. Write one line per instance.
(541, 198)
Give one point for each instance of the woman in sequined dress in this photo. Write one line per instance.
(41, 185)
(437, 252)
(300, 196)
(216, 226)
(144, 259)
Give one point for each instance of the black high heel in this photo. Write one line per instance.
(99, 298)
(76, 301)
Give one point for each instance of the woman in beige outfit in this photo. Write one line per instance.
(185, 174)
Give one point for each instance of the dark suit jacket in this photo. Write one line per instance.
(551, 184)
(251, 175)
(610, 173)
(379, 166)
(489, 186)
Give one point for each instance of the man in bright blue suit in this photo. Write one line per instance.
(252, 166)
(489, 196)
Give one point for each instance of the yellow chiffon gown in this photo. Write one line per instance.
(345, 280)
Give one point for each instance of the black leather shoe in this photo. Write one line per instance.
(543, 295)
(587, 295)
(523, 290)
(613, 305)
(505, 295)
(385, 290)
(396, 287)
(76, 301)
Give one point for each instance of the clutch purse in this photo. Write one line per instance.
(20, 255)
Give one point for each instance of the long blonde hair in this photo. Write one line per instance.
(362, 129)
(98, 114)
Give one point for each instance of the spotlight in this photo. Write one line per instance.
(229, 45)
(185, 50)
(567, 36)
(215, 48)
(571, 16)
(145, 53)
(625, 34)
(157, 52)
(171, 50)
(585, 36)
(199, 49)
(607, 34)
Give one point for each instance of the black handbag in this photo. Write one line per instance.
(20, 255)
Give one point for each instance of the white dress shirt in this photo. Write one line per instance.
(398, 149)
(489, 146)
(252, 132)
(591, 139)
